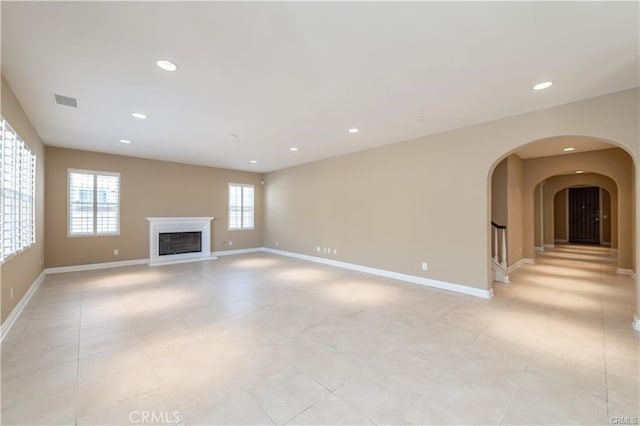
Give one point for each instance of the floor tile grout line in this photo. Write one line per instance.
(75, 409)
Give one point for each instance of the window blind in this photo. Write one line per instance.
(17, 179)
(241, 206)
(94, 203)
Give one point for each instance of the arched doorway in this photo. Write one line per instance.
(518, 197)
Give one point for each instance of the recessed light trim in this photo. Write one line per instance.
(579, 171)
(139, 115)
(125, 141)
(543, 85)
(354, 130)
(254, 161)
(293, 148)
(569, 149)
(166, 65)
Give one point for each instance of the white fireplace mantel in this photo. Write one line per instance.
(158, 225)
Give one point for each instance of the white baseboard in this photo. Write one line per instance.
(17, 310)
(519, 263)
(188, 260)
(550, 245)
(91, 266)
(458, 288)
(636, 323)
(238, 251)
(539, 248)
(623, 271)
(558, 240)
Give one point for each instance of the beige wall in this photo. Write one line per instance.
(560, 217)
(149, 188)
(538, 217)
(20, 271)
(605, 217)
(499, 193)
(614, 163)
(514, 209)
(426, 199)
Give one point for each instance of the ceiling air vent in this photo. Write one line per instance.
(66, 101)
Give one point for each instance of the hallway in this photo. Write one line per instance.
(574, 313)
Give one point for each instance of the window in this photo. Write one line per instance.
(94, 203)
(240, 206)
(18, 181)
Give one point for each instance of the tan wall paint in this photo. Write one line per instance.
(557, 184)
(426, 199)
(605, 217)
(537, 215)
(499, 193)
(149, 188)
(514, 210)
(21, 271)
(614, 163)
(560, 216)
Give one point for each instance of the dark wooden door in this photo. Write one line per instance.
(584, 215)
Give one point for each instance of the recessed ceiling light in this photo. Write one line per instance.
(543, 85)
(354, 130)
(127, 141)
(253, 161)
(569, 149)
(138, 115)
(166, 65)
(579, 171)
(293, 148)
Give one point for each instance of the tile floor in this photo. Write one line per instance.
(263, 339)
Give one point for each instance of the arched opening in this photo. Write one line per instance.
(528, 188)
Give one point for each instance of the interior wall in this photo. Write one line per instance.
(148, 188)
(499, 193)
(605, 217)
(560, 231)
(613, 163)
(514, 209)
(20, 271)
(426, 199)
(537, 207)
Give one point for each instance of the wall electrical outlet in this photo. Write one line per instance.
(318, 249)
(230, 243)
(276, 244)
(116, 252)
(335, 251)
(425, 266)
(11, 293)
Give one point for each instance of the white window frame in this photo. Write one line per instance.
(23, 177)
(95, 173)
(253, 208)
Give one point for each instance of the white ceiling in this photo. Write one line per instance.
(301, 74)
(555, 146)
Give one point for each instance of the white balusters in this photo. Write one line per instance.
(499, 253)
(504, 249)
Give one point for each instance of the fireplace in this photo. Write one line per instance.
(179, 239)
(179, 242)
